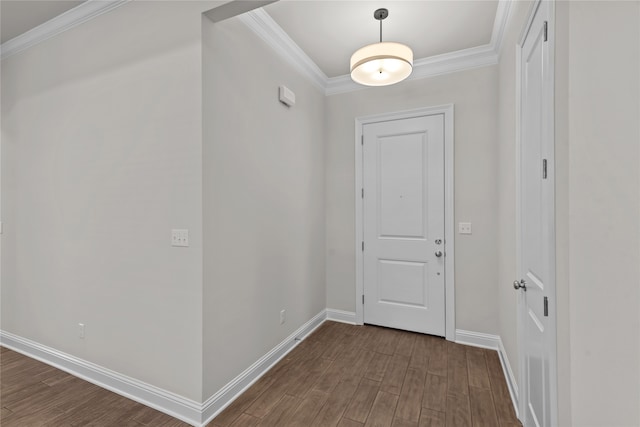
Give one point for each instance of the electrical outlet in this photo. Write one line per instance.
(464, 228)
(283, 316)
(180, 238)
(81, 330)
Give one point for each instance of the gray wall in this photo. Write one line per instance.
(563, 333)
(263, 196)
(474, 94)
(101, 158)
(603, 211)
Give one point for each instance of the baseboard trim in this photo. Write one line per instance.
(341, 316)
(227, 394)
(198, 414)
(492, 342)
(477, 339)
(191, 412)
(512, 385)
(171, 404)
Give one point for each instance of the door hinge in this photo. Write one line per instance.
(544, 168)
(361, 139)
(362, 298)
(363, 193)
(546, 34)
(363, 246)
(546, 307)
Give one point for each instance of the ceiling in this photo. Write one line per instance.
(19, 16)
(329, 31)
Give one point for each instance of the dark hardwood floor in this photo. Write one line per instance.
(341, 375)
(35, 394)
(351, 376)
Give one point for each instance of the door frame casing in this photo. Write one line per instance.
(449, 272)
(550, 110)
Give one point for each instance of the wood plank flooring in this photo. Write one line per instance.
(35, 394)
(355, 376)
(341, 375)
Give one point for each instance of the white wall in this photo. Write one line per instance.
(263, 196)
(474, 94)
(101, 140)
(604, 207)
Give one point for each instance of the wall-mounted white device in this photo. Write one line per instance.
(287, 97)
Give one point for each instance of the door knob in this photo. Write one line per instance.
(520, 284)
(438, 254)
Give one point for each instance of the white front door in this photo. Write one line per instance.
(537, 235)
(403, 219)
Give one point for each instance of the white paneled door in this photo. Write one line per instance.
(536, 283)
(403, 220)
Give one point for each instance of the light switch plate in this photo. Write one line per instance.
(464, 227)
(180, 238)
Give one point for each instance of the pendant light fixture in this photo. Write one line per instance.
(381, 64)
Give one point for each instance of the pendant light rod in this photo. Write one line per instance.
(381, 14)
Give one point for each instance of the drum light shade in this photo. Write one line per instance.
(381, 64)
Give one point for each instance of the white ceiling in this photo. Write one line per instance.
(19, 16)
(330, 31)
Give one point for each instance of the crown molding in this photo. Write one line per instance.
(261, 23)
(61, 23)
(427, 67)
(268, 30)
(503, 13)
